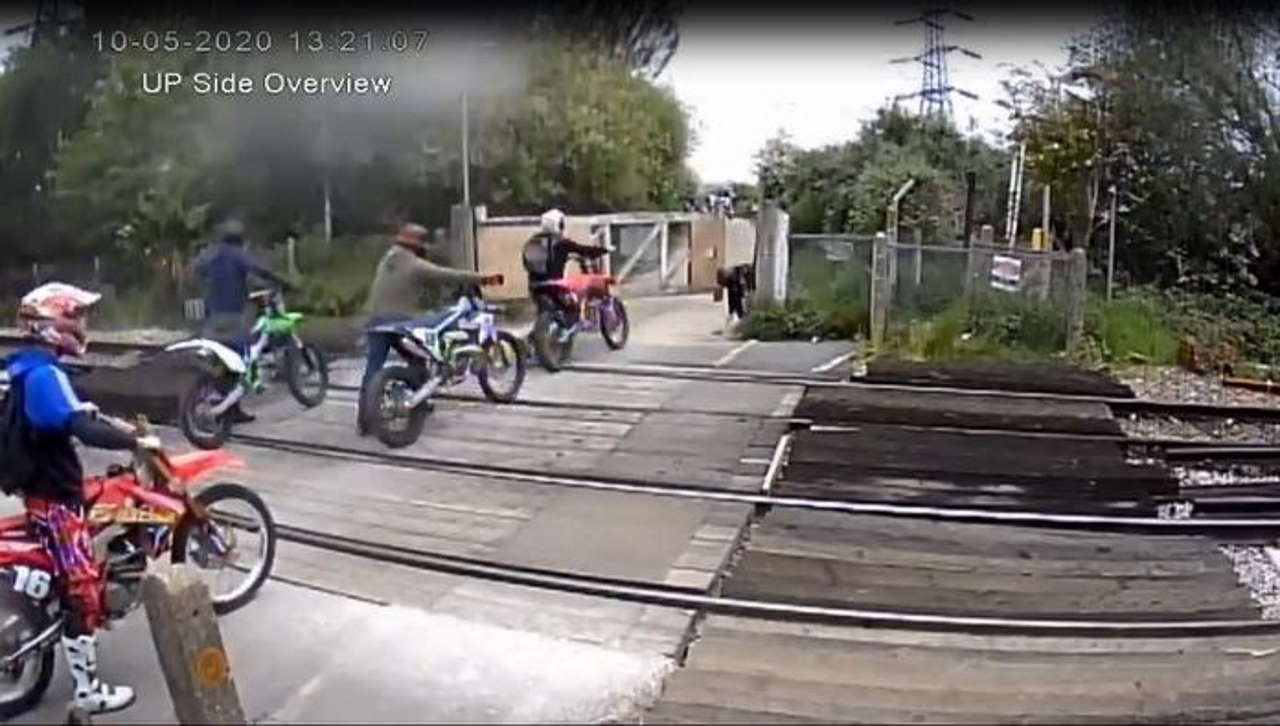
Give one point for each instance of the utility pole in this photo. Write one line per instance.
(466, 154)
(935, 86)
(1111, 244)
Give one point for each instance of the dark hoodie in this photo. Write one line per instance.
(226, 267)
(54, 414)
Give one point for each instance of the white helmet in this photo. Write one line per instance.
(553, 221)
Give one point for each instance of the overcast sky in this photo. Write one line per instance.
(819, 77)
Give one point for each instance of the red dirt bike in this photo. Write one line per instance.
(137, 514)
(592, 293)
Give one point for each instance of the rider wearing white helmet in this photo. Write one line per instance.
(545, 256)
(42, 415)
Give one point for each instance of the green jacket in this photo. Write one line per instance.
(402, 277)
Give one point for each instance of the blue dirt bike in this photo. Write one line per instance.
(441, 353)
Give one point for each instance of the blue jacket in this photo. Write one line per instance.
(48, 400)
(50, 407)
(226, 268)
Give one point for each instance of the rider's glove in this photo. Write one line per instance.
(149, 442)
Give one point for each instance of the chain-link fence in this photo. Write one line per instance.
(942, 301)
(832, 275)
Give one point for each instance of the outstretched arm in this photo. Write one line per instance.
(589, 251)
(430, 271)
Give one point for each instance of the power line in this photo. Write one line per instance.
(935, 85)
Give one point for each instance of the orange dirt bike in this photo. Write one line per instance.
(136, 514)
(592, 295)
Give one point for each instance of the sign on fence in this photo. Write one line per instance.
(838, 251)
(1006, 273)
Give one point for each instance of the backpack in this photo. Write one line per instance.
(536, 255)
(17, 466)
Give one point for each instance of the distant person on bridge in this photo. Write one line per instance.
(545, 256)
(225, 268)
(402, 276)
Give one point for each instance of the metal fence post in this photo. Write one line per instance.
(879, 288)
(1077, 269)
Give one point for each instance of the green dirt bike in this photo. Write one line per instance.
(274, 346)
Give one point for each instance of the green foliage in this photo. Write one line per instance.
(335, 277)
(847, 187)
(792, 320)
(43, 100)
(588, 135)
(1134, 323)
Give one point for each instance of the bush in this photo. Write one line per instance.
(1134, 323)
(828, 300)
(795, 319)
(1020, 322)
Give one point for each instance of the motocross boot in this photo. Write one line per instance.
(240, 416)
(92, 694)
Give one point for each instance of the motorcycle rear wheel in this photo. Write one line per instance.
(552, 353)
(401, 380)
(201, 430)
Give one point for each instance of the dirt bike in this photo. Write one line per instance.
(204, 410)
(136, 514)
(441, 354)
(592, 294)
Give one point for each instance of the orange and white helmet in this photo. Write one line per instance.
(56, 314)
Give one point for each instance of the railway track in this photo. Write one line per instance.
(1249, 529)
(686, 598)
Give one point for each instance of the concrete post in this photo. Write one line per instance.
(880, 252)
(1077, 269)
(462, 246)
(189, 647)
(771, 258)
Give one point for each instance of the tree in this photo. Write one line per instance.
(643, 35)
(42, 103)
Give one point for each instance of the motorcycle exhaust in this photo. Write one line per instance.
(40, 641)
(423, 393)
(232, 399)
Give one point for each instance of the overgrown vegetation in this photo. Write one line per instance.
(563, 111)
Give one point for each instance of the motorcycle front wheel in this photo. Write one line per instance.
(385, 404)
(307, 373)
(198, 423)
(615, 328)
(210, 547)
(504, 362)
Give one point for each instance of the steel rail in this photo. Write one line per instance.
(664, 596)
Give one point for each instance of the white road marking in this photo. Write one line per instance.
(734, 353)
(834, 362)
(788, 404)
(775, 465)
